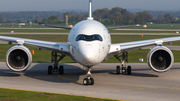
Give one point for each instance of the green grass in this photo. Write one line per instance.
(139, 31)
(24, 26)
(16, 25)
(20, 95)
(39, 56)
(115, 38)
(67, 31)
(160, 26)
(130, 38)
(34, 25)
(154, 26)
(45, 56)
(45, 37)
(134, 56)
(35, 30)
(63, 38)
(150, 26)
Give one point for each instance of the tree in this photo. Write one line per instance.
(118, 18)
(160, 18)
(8, 21)
(139, 18)
(1, 19)
(106, 22)
(37, 19)
(72, 19)
(117, 14)
(176, 19)
(168, 18)
(53, 20)
(44, 21)
(19, 21)
(101, 14)
(118, 9)
(78, 17)
(104, 13)
(147, 17)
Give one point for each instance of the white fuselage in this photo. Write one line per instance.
(89, 42)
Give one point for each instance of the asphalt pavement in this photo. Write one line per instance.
(143, 85)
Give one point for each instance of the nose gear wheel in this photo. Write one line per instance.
(88, 80)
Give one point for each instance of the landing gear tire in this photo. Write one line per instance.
(129, 70)
(55, 58)
(118, 70)
(91, 81)
(50, 70)
(86, 81)
(61, 70)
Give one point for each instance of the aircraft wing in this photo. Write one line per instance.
(54, 26)
(51, 46)
(128, 46)
(110, 28)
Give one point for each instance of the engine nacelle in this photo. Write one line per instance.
(18, 58)
(160, 58)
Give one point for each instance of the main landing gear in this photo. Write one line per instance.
(88, 80)
(55, 60)
(123, 59)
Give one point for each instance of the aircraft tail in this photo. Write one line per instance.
(90, 10)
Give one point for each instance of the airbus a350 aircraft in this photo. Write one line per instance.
(89, 43)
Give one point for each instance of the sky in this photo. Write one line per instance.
(57, 5)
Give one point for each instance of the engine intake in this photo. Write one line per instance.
(160, 59)
(18, 58)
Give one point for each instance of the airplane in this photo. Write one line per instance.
(89, 43)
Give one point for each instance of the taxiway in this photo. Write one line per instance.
(143, 85)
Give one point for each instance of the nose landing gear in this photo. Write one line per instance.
(123, 68)
(88, 80)
(55, 59)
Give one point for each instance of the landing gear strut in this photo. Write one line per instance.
(88, 80)
(123, 59)
(55, 60)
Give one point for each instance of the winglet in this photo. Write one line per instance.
(90, 11)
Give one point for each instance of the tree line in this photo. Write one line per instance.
(114, 16)
(120, 16)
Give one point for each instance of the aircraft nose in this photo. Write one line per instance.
(88, 57)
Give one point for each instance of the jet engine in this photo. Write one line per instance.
(160, 58)
(18, 58)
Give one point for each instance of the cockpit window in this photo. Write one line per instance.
(89, 37)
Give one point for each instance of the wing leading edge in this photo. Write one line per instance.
(128, 46)
(51, 46)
